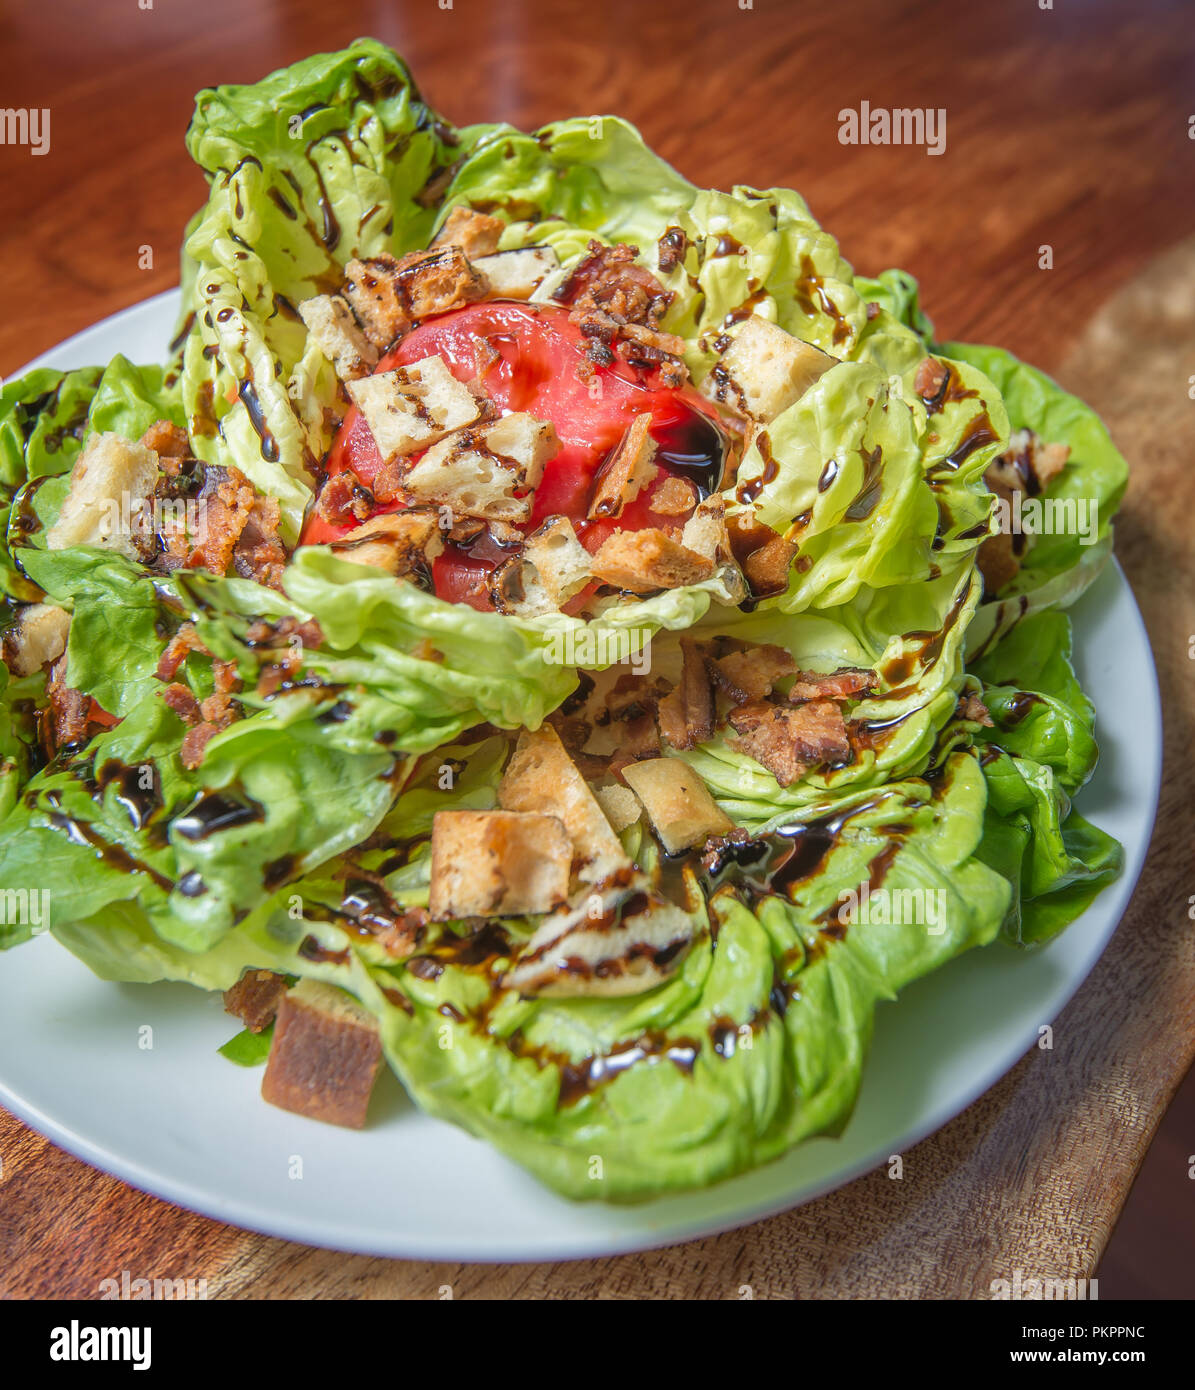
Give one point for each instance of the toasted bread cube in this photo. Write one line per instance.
(678, 803)
(111, 484)
(542, 777)
(518, 274)
(643, 561)
(497, 864)
(674, 497)
(560, 560)
(39, 636)
(334, 331)
(255, 998)
(400, 543)
(705, 531)
(476, 233)
(629, 469)
(515, 588)
(388, 296)
(765, 369)
(409, 408)
(478, 471)
(324, 1057)
(620, 806)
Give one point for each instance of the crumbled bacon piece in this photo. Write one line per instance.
(789, 741)
(180, 646)
(843, 684)
(686, 715)
(972, 708)
(67, 719)
(751, 674)
(255, 997)
(618, 305)
(182, 701)
(167, 440)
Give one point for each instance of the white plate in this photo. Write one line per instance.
(181, 1122)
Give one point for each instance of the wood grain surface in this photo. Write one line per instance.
(1066, 127)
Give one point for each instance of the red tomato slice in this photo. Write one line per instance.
(528, 355)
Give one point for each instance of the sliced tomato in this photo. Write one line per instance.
(527, 356)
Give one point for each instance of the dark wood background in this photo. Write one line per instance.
(1067, 127)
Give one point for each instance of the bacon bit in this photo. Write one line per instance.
(750, 675)
(259, 553)
(843, 684)
(641, 739)
(183, 702)
(932, 376)
(195, 743)
(181, 645)
(686, 716)
(255, 997)
(167, 440)
(344, 499)
(972, 708)
(618, 305)
(789, 741)
(997, 556)
(228, 498)
(69, 715)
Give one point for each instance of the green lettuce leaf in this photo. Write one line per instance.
(332, 158)
(1039, 752)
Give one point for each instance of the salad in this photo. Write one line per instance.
(546, 627)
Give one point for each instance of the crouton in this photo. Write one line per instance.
(389, 296)
(107, 505)
(518, 274)
(324, 1057)
(750, 675)
(560, 560)
(497, 864)
(765, 370)
(686, 715)
(633, 941)
(767, 568)
(255, 997)
(674, 497)
(620, 806)
(705, 531)
(541, 777)
(476, 233)
(629, 469)
(515, 588)
(334, 331)
(401, 543)
(409, 408)
(39, 636)
(678, 803)
(643, 561)
(478, 471)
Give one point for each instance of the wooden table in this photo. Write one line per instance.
(1066, 127)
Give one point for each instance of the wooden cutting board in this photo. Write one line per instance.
(1033, 1175)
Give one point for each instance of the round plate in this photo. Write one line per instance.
(181, 1122)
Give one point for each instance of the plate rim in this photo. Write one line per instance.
(312, 1229)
